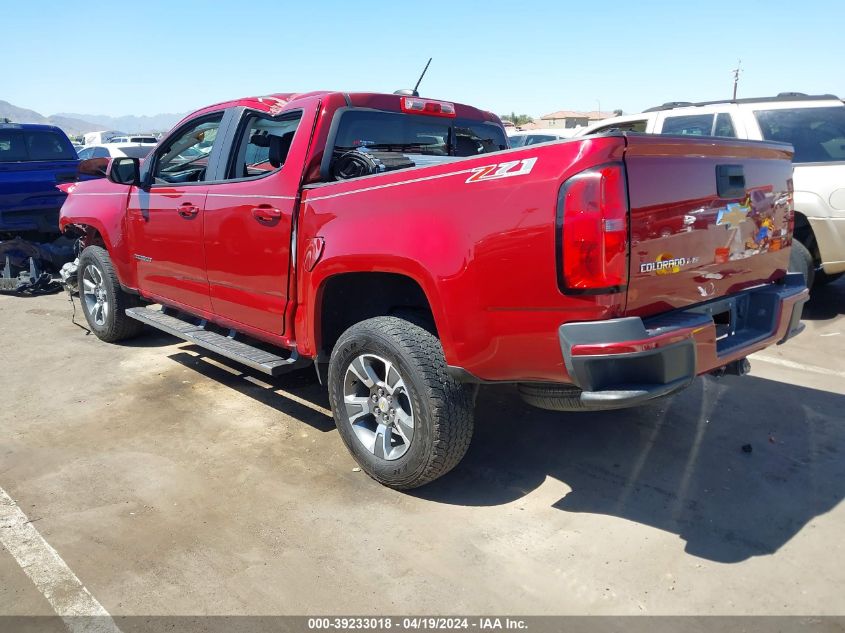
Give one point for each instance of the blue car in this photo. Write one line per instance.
(33, 160)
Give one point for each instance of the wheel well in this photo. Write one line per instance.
(88, 235)
(804, 233)
(353, 297)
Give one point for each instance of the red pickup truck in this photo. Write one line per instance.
(398, 244)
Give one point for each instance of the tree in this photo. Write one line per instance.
(516, 119)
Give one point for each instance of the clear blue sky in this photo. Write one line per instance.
(152, 56)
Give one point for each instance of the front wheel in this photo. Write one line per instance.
(104, 302)
(403, 418)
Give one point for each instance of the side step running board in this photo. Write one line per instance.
(227, 346)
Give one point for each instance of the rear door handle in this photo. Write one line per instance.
(187, 210)
(266, 214)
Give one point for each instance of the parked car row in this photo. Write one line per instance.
(115, 150)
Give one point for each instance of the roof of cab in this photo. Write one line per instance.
(267, 102)
(30, 126)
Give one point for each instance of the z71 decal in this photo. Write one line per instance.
(503, 170)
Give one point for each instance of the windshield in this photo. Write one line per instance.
(817, 134)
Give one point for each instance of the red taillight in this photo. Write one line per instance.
(592, 225)
(415, 105)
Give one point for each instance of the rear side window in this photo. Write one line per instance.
(263, 146)
(34, 145)
(817, 134)
(724, 126)
(100, 152)
(689, 125)
(12, 146)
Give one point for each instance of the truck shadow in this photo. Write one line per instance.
(297, 394)
(826, 302)
(677, 465)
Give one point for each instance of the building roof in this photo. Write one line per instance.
(593, 115)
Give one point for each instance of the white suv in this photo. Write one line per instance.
(814, 125)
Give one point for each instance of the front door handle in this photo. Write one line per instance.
(266, 214)
(187, 210)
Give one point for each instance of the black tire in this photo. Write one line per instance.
(442, 408)
(552, 397)
(801, 261)
(823, 279)
(112, 325)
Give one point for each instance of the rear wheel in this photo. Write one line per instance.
(801, 261)
(400, 414)
(103, 301)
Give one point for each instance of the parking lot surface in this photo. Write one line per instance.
(171, 482)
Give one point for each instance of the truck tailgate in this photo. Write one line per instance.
(709, 217)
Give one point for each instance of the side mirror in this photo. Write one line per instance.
(125, 171)
(93, 167)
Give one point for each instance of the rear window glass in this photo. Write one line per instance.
(689, 125)
(414, 134)
(34, 145)
(532, 139)
(817, 134)
(627, 126)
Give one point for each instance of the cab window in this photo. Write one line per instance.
(263, 145)
(627, 126)
(183, 158)
(412, 134)
(689, 125)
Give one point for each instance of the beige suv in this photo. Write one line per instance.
(814, 125)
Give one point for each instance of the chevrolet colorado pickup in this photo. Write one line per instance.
(398, 244)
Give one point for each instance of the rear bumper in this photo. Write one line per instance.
(624, 362)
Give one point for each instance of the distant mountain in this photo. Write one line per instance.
(130, 124)
(78, 124)
(71, 125)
